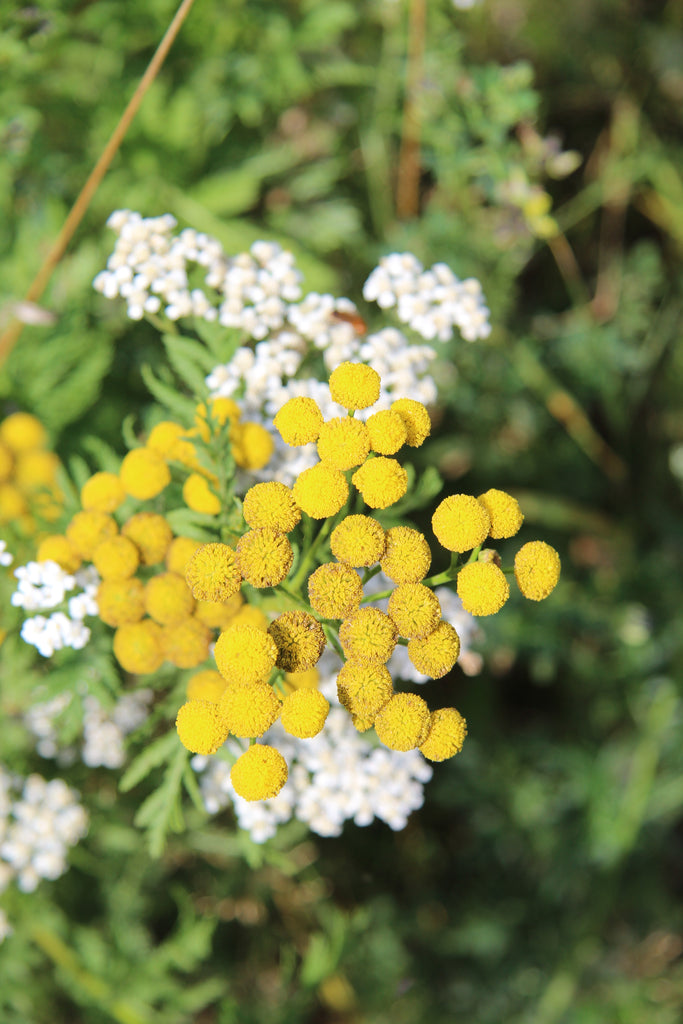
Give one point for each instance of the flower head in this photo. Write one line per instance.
(120, 601)
(103, 492)
(403, 722)
(260, 773)
(299, 639)
(198, 495)
(151, 535)
(387, 432)
(206, 685)
(447, 732)
(271, 505)
(87, 530)
(482, 588)
(245, 654)
(168, 599)
(354, 385)
(461, 523)
(59, 549)
(221, 410)
(381, 481)
(368, 636)
(251, 444)
(249, 710)
(415, 419)
(116, 558)
(212, 573)
(358, 541)
(303, 713)
(407, 556)
(436, 654)
(364, 689)
(537, 569)
(504, 512)
(334, 590)
(144, 473)
(170, 440)
(180, 551)
(186, 643)
(414, 609)
(264, 557)
(138, 647)
(21, 431)
(218, 614)
(202, 729)
(321, 491)
(299, 421)
(343, 443)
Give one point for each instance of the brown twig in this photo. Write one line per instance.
(10, 336)
(408, 177)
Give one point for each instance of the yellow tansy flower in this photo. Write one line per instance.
(206, 685)
(436, 654)
(414, 609)
(415, 419)
(250, 615)
(368, 635)
(221, 410)
(21, 431)
(461, 523)
(387, 432)
(116, 558)
(299, 421)
(482, 588)
(537, 569)
(299, 639)
(264, 557)
(212, 574)
(13, 504)
(358, 541)
(447, 732)
(251, 445)
(343, 443)
(407, 556)
(218, 614)
(138, 647)
(271, 505)
(249, 710)
(198, 496)
(381, 481)
(144, 474)
(321, 491)
(403, 722)
(354, 385)
(151, 535)
(260, 773)
(504, 512)
(201, 727)
(6, 463)
(35, 470)
(245, 654)
(180, 552)
(364, 689)
(121, 601)
(170, 440)
(168, 599)
(103, 491)
(303, 713)
(334, 590)
(306, 680)
(59, 549)
(186, 643)
(87, 530)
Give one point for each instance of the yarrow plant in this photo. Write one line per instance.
(257, 538)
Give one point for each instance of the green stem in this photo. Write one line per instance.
(333, 640)
(307, 559)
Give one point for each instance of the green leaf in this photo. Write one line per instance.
(186, 523)
(177, 404)
(151, 757)
(190, 360)
(161, 812)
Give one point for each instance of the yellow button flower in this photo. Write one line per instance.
(482, 588)
(168, 599)
(368, 635)
(436, 654)
(180, 551)
(299, 639)
(343, 443)
(170, 440)
(407, 556)
(87, 530)
(306, 680)
(201, 727)
(403, 722)
(6, 463)
(144, 474)
(387, 432)
(415, 419)
(358, 541)
(151, 535)
(221, 410)
(249, 710)
(303, 713)
(321, 491)
(21, 431)
(103, 492)
(299, 421)
(271, 505)
(354, 385)
(264, 557)
(13, 504)
(504, 512)
(59, 549)
(414, 609)
(116, 558)
(218, 614)
(245, 654)
(206, 685)
(138, 647)
(447, 732)
(249, 615)
(121, 601)
(212, 574)
(186, 643)
(537, 569)
(334, 590)
(364, 689)
(251, 445)
(198, 496)
(461, 523)
(381, 481)
(260, 773)
(35, 470)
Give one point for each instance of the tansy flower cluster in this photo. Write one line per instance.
(29, 491)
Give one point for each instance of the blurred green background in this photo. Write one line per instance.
(541, 882)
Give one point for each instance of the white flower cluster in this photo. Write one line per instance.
(337, 776)
(5, 557)
(104, 731)
(39, 821)
(44, 585)
(432, 301)
(257, 288)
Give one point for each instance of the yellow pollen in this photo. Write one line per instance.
(387, 431)
(144, 474)
(201, 727)
(299, 421)
(103, 492)
(343, 443)
(120, 601)
(271, 505)
(303, 713)
(245, 654)
(364, 689)
(138, 647)
(414, 609)
(264, 557)
(249, 710)
(299, 639)
(407, 556)
(321, 491)
(537, 569)
(461, 523)
(381, 481)
(168, 599)
(482, 588)
(403, 722)
(415, 419)
(151, 535)
(354, 385)
(436, 654)
(212, 573)
(447, 732)
(358, 541)
(504, 512)
(260, 773)
(334, 590)
(368, 635)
